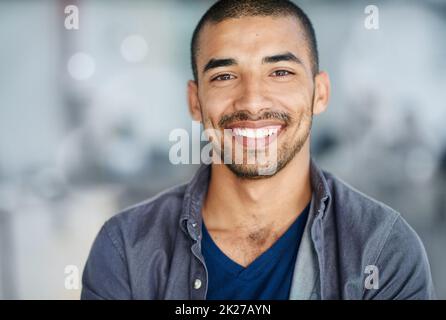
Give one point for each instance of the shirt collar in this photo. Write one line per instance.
(190, 219)
(320, 189)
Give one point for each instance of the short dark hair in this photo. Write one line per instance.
(227, 9)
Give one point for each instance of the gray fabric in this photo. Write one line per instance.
(305, 280)
(153, 250)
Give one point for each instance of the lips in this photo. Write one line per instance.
(255, 134)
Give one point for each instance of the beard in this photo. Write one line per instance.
(284, 154)
(277, 159)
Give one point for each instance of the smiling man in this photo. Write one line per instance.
(275, 229)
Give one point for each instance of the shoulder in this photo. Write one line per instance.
(356, 209)
(119, 252)
(365, 218)
(382, 238)
(152, 218)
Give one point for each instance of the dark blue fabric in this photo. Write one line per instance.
(267, 277)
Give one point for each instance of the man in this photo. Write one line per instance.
(275, 229)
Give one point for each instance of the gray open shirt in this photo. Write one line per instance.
(353, 247)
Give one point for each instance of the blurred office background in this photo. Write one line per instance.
(85, 117)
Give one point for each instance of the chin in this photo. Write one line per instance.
(254, 171)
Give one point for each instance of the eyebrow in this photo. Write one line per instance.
(287, 56)
(217, 63)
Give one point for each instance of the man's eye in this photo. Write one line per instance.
(281, 73)
(223, 77)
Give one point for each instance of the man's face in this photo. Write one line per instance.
(255, 78)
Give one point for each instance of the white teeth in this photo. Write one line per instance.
(260, 133)
(250, 133)
(272, 131)
(254, 133)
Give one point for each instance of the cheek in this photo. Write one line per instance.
(294, 103)
(215, 105)
(294, 96)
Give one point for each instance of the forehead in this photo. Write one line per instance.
(249, 37)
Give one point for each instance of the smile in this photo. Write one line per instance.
(255, 133)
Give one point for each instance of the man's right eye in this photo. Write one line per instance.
(223, 77)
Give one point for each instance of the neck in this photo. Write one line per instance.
(234, 203)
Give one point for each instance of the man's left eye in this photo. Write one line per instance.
(281, 73)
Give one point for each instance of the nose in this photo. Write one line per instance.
(252, 95)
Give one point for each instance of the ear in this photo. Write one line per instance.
(322, 92)
(194, 103)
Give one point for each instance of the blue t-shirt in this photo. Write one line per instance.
(267, 277)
